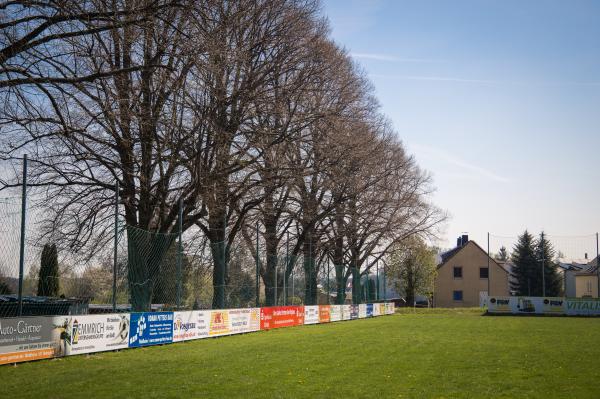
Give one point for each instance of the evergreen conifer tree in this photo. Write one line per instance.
(502, 254)
(544, 254)
(523, 272)
(48, 278)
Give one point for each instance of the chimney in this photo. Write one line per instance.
(458, 242)
(586, 255)
(465, 239)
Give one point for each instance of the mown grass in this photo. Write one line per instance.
(451, 354)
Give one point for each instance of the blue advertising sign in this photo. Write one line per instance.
(353, 312)
(150, 328)
(369, 310)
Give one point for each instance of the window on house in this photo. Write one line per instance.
(457, 272)
(457, 295)
(589, 287)
(483, 272)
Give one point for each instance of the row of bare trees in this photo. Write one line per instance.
(244, 111)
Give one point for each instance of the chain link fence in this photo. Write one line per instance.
(571, 260)
(139, 270)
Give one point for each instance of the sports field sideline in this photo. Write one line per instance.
(427, 354)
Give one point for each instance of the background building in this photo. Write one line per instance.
(463, 276)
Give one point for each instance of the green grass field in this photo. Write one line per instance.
(424, 354)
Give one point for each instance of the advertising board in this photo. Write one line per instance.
(324, 313)
(219, 323)
(354, 312)
(376, 307)
(31, 338)
(369, 310)
(281, 316)
(244, 320)
(335, 313)
(545, 305)
(96, 333)
(150, 328)
(582, 306)
(389, 308)
(311, 314)
(190, 325)
(362, 310)
(346, 312)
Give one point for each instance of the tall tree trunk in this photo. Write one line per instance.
(310, 270)
(271, 244)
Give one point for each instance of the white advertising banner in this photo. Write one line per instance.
(244, 320)
(335, 313)
(582, 306)
(502, 304)
(190, 325)
(362, 310)
(346, 312)
(389, 308)
(376, 308)
(545, 305)
(96, 333)
(311, 314)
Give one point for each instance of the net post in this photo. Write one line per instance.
(384, 285)
(377, 287)
(115, 250)
(287, 263)
(257, 266)
(543, 268)
(597, 266)
(179, 253)
(489, 285)
(22, 242)
(328, 287)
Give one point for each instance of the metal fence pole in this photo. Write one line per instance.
(598, 266)
(328, 287)
(257, 266)
(384, 285)
(287, 261)
(22, 243)
(180, 254)
(275, 284)
(115, 250)
(377, 269)
(488, 267)
(367, 289)
(543, 267)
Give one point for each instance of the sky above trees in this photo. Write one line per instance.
(498, 100)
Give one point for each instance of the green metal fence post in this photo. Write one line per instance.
(257, 266)
(287, 262)
(328, 289)
(377, 268)
(180, 254)
(115, 251)
(598, 265)
(22, 243)
(367, 289)
(543, 268)
(384, 285)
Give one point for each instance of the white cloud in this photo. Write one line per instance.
(436, 79)
(391, 58)
(474, 171)
(483, 81)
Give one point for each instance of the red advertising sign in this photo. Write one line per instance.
(324, 313)
(281, 316)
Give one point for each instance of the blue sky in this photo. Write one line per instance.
(499, 100)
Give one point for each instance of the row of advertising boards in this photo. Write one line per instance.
(544, 305)
(32, 338)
